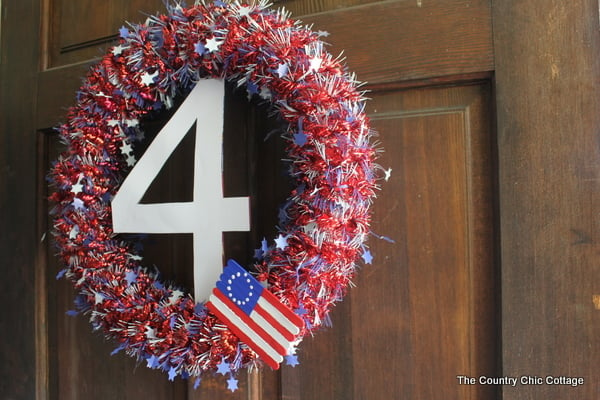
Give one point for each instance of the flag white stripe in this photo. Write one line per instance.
(276, 314)
(255, 337)
(270, 329)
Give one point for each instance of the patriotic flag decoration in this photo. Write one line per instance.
(254, 314)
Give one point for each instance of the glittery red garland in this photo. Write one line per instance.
(324, 224)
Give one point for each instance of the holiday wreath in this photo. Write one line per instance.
(323, 225)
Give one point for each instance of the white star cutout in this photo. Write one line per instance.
(265, 93)
(244, 11)
(74, 232)
(112, 122)
(282, 70)
(213, 44)
(281, 242)
(148, 78)
(117, 50)
(388, 174)
(130, 161)
(315, 64)
(132, 122)
(126, 148)
(77, 188)
(175, 295)
(150, 334)
(98, 297)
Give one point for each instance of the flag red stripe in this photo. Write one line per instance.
(276, 324)
(286, 311)
(240, 333)
(251, 324)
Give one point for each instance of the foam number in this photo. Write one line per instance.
(209, 214)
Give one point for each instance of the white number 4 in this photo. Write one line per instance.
(209, 214)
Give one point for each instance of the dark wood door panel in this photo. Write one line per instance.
(411, 40)
(426, 310)
(79, 30)
(439, 310)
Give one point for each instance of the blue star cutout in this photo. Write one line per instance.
(172, 374)
(258, 254)
(78, 204)
(130, 277)
(124, 32)
(106, 197)
(118, 349)
(152, 361)
(223, 367)
(199, 48)
(157, 106)
(367, 257)
(159, 285)
(197, 383)
(291, 360)
(232, 384)
(61, 273)
(282, 215)
(300, 138)
(264, 246)
(252, 88)
(281, 241)
(219, 3)
(200, 309)
(300, 311)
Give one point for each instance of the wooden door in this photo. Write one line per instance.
(428, 308)
(425, 311)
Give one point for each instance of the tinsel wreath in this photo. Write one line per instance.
(324, 223)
